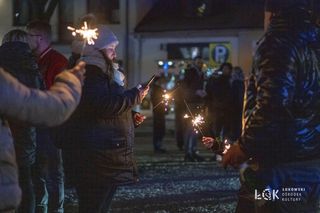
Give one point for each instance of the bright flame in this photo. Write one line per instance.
(186, 116)
(166, 98)
(198, 120)
(227, 146)
(86, 33)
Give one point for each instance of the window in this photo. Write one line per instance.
(106, 11)
(27, 10)
(22, 11)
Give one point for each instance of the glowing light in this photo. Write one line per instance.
(227, 146)
(170, 63)
(87, 34)
(197, 122)
(166, 96)
(160, 63)
(166, 99)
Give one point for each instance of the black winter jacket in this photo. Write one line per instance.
(102, 130)
(193, 81)
(219, 93)
(282, 109)
(17, 59)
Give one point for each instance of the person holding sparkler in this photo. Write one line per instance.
(281, 134)
(192, 87)
(159, 111)
(43, 108)
(101, 131)
(219, 102)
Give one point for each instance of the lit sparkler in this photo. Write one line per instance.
(86, 33)
(166, 99)
(186, 116)
(196, 121)
(227, 146)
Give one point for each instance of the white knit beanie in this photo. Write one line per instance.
(105, 37)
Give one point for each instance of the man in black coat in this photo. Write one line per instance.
(219, 102)
(193, 94)
(159, 112)
(281, 134)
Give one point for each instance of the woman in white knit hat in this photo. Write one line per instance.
(100, 146)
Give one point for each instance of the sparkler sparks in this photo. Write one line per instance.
(196, 121)
(166, 99)
(87, 34)
(227, 146)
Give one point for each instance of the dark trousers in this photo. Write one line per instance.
(95, 196)
(49, 177)
(190, 139)
(27, 204)
(159, 126)
(179, 124)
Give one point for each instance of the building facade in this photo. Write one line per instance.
(151, 30)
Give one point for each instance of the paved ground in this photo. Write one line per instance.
(169, 185)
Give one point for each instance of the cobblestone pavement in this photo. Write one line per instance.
(169, 185)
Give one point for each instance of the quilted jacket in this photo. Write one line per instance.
(282, 109)
(36, 107)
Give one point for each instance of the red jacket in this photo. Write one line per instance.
(51, 63)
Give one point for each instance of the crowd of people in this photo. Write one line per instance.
(277, 148)
(94, 147)
(218, 97)
(279, 145)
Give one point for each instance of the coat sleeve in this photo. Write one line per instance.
(268, 126)
(106, 103)
(47, 108)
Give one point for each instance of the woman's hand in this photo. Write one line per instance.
(208, 142)
(143, 92)
(234, 156)
(138, 118)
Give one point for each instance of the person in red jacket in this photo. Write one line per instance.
(50, 61)
(49, 179)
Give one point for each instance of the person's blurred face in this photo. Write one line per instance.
(34, 39)
(199, 63)
(226, 70)
(110, 51)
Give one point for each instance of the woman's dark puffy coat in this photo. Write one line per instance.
(282, 111)
(102, 131)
